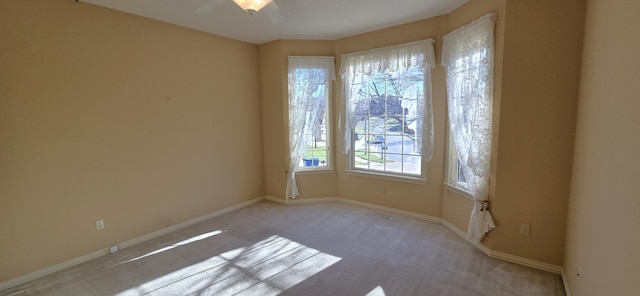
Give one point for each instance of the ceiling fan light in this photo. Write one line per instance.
(252, 6)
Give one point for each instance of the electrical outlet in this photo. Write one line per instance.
(525, 229)
(100, 225)
(381, 189)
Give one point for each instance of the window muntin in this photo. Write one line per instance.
(455, 175)
(465, 68)
(316, 155)
(309, 91)
(467, 55)
(385, 132)
(386, 114)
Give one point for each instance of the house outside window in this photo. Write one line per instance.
(465, 68)
(309, 89)
(467, 55)
(387, 112)
(455, 176)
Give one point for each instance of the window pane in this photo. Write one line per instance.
(386, 112)
(309, 85)
(361, 158)
(316, 155)
(460, 176)
(412, 165)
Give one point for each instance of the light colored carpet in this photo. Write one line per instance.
(314, 249)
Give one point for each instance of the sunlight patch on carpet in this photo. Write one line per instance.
(182, 243)
(268, 267)
(378, 291)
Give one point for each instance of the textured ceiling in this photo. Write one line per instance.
(302, 19)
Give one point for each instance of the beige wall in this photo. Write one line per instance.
(310, 184)
(602, 231)
(274, 96)
(272, 93)
(541, 72)
(537, 69)
(105, 115)
(423, 199)
(420, 198)
(456, 208)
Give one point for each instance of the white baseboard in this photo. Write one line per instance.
(188, 223)
(299, 201)
(390, 210)
(51, 269)
(565, 283)
(355, 203)
(494, 254)
(105, 251)
(463, 235)
(504, 256)
(527, 262)
(491, 253)
(511, 258)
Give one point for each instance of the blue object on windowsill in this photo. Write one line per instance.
(311, 161)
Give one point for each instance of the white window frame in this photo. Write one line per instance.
(453, 180)
(328, 133)
(452, 164)
(456, 54)
(350, 132)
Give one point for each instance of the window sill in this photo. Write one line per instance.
(458, 190)
(388, 177)
(314, 171)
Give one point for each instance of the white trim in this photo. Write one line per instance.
(328, 98)
(458, 190)
(493, 254)
(188, 223)
(300, 171)
(51, 269)
(390, 210)
(355, 203)
(105, 251)
(527, 262)
(504, 256)
(414, 179)
(275, 199)
(299, 201)
(463, 235)
(565, 283)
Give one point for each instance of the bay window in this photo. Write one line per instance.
(386, 116)
(309, 88)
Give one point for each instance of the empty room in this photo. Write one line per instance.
(299, 147)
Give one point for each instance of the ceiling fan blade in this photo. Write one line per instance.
(272, 11)
(209, 6)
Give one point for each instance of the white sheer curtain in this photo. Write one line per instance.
(398, 58)
(467, 54)
(309, 86)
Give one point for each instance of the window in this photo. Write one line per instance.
(387, 109)
(467, 68)
(467, 55)
(455, 175)
(309, 115)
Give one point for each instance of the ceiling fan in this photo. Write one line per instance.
(268, 7)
